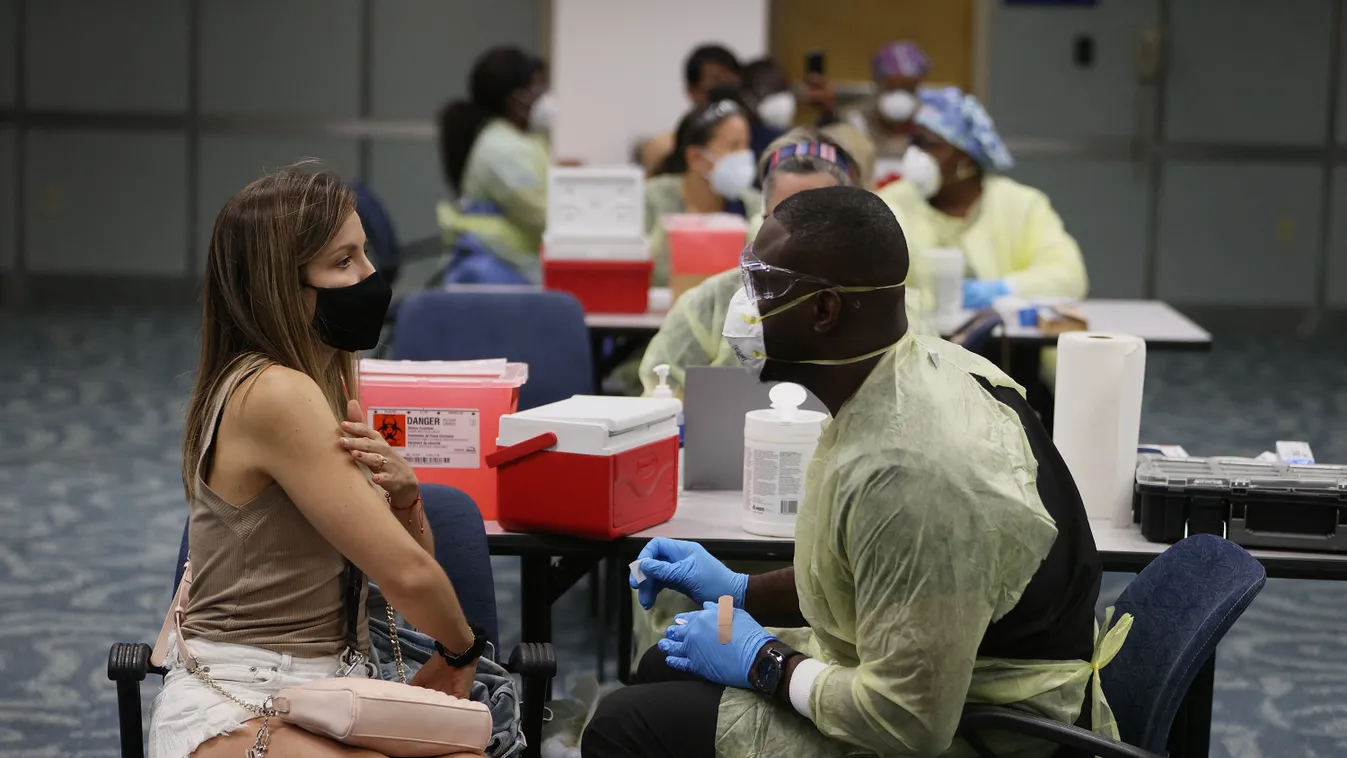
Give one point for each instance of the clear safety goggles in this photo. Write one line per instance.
(763, 281)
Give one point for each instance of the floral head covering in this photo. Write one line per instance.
(961, 120)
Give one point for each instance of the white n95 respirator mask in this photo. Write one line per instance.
(898, 106)
(777, 110)
(733, 174)
(542, 113)
(922, 170)
(743, 332)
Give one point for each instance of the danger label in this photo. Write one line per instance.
(431, 437)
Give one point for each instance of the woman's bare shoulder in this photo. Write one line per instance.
(279, 401)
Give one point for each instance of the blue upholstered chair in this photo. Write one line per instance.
(460, 548)
(546, 330)
(1182, 604)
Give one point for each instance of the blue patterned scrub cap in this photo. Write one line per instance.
(961, 120)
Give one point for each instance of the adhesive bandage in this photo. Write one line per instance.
(726, 618)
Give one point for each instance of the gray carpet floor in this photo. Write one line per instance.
(91, 511)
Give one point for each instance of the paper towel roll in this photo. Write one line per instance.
(1097, 417)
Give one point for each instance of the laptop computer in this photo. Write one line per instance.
(715, 400)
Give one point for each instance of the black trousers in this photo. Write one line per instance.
(672, 714)
(664, 714)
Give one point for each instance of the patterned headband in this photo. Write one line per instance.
(821, 150)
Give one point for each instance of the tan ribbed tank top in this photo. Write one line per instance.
(261, 574)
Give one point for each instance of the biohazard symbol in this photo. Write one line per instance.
(393, 427)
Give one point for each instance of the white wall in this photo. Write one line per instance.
(617, 66)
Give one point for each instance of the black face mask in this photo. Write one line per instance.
(350, 318)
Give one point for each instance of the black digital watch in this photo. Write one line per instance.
(479, 640)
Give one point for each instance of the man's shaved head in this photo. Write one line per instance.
(846, 235)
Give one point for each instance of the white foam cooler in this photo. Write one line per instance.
(594, 246)
(589, 201)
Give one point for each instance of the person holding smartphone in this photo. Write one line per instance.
(768, 93)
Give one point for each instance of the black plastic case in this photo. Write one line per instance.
(1251, 503)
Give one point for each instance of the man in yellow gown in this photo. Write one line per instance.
(803, 158)
(943, 555)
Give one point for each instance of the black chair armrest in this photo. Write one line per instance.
(532, 659)
(536, 664)
(980, 718)
(128, 663)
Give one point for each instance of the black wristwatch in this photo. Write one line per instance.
(479, 640)
(769, 669)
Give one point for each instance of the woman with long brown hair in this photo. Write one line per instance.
(278, 472)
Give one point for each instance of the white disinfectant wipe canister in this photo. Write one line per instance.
(778, 446)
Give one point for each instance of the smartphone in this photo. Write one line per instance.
(813, 62)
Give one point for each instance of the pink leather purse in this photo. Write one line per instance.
(393, 718)
(386, 717)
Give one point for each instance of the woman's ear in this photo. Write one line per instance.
(694, 159)
(519, 104)
(952, 167)
(965, 168)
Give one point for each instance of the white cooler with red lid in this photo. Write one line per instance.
(596, 467)
(594, 246)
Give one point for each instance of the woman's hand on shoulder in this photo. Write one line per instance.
(295, 439)
(292, 434)
(371, 449)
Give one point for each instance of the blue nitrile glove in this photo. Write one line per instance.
(978, 294)
(687, 568)
(695, 647)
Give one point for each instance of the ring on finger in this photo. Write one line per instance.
(382, 461)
